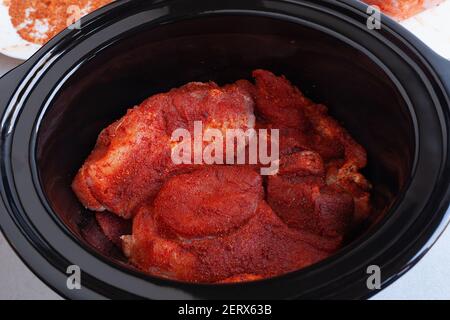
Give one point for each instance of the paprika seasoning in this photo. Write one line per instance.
(38, 21)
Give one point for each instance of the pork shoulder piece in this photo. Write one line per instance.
(220, 230)
(132, 157)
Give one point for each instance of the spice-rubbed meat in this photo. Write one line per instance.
(132, 157)
(211, 201)
(302, 199)
(226, 223)
(318, 187)
(213, 225)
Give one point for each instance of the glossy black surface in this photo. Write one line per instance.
(390, 97)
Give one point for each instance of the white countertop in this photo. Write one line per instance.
(429, 279)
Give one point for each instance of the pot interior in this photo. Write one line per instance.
(222, 49)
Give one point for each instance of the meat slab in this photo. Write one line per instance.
(226, 223)
(211, 233)
(132, 158)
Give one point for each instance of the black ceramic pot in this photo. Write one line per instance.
(385, 86)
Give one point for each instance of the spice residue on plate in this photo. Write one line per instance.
(37, 21)
(403, 9)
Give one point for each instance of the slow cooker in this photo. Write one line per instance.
(387, 88)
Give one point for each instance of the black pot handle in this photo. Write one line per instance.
(443, 69)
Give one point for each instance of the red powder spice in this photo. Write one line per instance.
(37, 21)
(403, 9)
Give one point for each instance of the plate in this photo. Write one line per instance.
(11, 44)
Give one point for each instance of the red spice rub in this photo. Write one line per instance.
(226, 235)
(132, 158)
(38, 21)
(403, 9)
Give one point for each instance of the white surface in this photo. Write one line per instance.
(433, 27)
(16, 281)
(429, 279)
